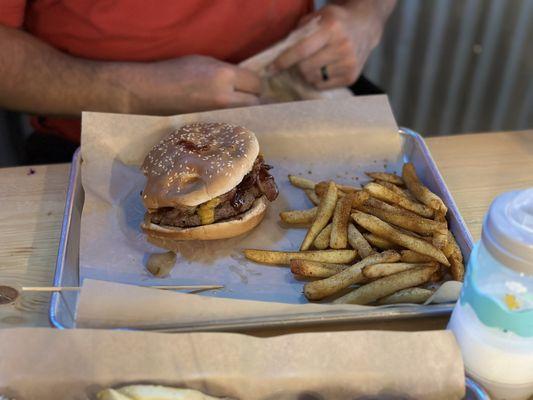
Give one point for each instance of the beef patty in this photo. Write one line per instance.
(256, 183)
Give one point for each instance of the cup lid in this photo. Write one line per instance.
(508, 230)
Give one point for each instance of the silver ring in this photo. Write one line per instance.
(324, 73)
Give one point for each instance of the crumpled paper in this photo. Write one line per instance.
(288, 85)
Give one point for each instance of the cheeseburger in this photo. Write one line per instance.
(206, 181)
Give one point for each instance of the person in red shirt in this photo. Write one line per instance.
(61, 57)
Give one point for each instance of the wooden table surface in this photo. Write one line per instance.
(476, 167)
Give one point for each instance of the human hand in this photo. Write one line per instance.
(189, 84)
(346, 36)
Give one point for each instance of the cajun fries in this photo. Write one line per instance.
(323, 214)
(358, 242)
(385, 286)
(315, 269)
(387, 177)
(339, 226)
(302, 183)
(380, 270)
(391, 234)
(373, 245)
(388, 196)
(399, 216)
(298, 217)
(422, 193)
(379, 242)
(321, 242)
(411, 256)
(414, 295)
(318, 290)
(312, 196)
(284, 257)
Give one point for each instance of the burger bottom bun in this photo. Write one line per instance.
(165, 236)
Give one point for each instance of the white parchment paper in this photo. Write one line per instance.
(48, 364)
(322, 139)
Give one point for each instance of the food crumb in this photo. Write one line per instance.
(31, 171)
(49, 213)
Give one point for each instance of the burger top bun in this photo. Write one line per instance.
(197, 163)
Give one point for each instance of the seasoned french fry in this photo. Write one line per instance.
(385, 269)
(379, 242)
(347, 188)
(410, 256)
(312, 196)
(323, 214)
(383, 287)
(398, 190)
(326, 287)
(457, 269)
(449, 249)
(300, 182)
(314, 269)
(322, 240)
(440, 238)
(413, 295)
(387, 177)
(422, 193)
(284, 257)
(388, 196)
(298, 217)
(454, 255)
(341, 216)
(398, 216)
(360, 198)
(427, 239)
(321, 188)
(358, 242)
(383, 229)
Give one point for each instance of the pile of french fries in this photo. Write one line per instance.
(385, 243)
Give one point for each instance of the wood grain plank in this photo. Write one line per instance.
(478, 167)
(31, 210)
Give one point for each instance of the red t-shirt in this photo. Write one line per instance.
(140, 30)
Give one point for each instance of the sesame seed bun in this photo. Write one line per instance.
(166, 236)
(197, 163)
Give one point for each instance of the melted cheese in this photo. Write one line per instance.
(206, 211)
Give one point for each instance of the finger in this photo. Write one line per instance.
(302, 50)
(247, 81)
(241, 99)
(327, 56)
(339, 76)
(334, 72)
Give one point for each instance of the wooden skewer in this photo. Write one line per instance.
(75, 288)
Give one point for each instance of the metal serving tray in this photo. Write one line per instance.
(63, 304)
